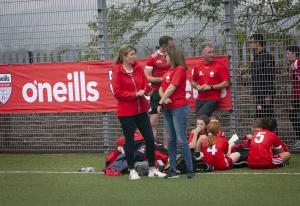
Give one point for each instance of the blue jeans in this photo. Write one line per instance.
(175, 121)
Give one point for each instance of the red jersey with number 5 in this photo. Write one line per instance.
(216, 154)
(262, 144)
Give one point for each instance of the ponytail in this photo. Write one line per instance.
(212, 128)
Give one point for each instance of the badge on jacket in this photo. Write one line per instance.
(212, 74)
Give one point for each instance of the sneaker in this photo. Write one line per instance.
(156, 173)
(191, 174)
(133, 175)
(241, 164)
(171, 174)
(209, 168)
(296, 145)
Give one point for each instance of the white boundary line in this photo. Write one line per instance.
(46, 172)
(209, 173)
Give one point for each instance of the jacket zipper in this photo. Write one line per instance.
(138, 98)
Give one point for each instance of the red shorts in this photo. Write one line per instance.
(277, 161)
(228, 164)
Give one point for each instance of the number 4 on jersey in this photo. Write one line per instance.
(212, 149)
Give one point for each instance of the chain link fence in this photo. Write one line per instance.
(44, 31)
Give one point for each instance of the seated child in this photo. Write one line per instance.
(215, 149)
(267, 151)
(198, 134)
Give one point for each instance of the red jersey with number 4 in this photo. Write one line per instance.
(157, 63)
(176, 76)
(210, 74)
(216, 154)
(262, 144)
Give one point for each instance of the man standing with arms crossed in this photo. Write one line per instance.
(155, 68)
(262, 77)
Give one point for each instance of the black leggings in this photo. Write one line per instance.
(129, 125)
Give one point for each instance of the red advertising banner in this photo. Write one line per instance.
(71, 87)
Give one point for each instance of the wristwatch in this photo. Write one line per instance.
(211, 87)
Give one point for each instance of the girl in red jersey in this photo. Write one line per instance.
(176, 109)
(267, 151)
(215, 149)
(198, 134)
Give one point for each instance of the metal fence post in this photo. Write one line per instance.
(232, 52)
(103, 31)
(104, 55)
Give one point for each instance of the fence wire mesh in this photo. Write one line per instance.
(35, 31)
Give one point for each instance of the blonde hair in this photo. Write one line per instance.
(176, 57)
(123, 51)
(212, 128)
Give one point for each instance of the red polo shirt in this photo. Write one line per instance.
(158, 64)
(176, 76)
(210, 74)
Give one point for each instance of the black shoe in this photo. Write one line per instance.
(209, 168)
(171, 174)
(191, 174)
(241, 164)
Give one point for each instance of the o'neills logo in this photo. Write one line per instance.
(5, 87)
(77, 89)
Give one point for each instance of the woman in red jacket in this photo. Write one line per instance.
(130, 87)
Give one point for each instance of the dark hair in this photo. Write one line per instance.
(164, 40)
(206, 44)
(295, 49)
(257, 123)
(204, 118)
(123, 51)
(176, 57)
(269, 124)
(258, 38)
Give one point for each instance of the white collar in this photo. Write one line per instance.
(158, 51)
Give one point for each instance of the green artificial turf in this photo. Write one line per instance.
(233, 187)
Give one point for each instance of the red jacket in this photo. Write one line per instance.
(125, 88)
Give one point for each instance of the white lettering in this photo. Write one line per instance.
(60, 89)
(92, 91)
(41, 87)
(33, 97)
(82, 86)
(76, 85)
(70, 87)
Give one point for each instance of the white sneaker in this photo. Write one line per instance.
(156, 173)
(133, 175)
(296, 145)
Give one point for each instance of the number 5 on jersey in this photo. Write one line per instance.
(259, 138)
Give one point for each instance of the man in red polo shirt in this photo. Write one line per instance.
(209, 78)
(155, 68)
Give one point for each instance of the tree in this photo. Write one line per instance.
(136, 19)
(274, 16)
